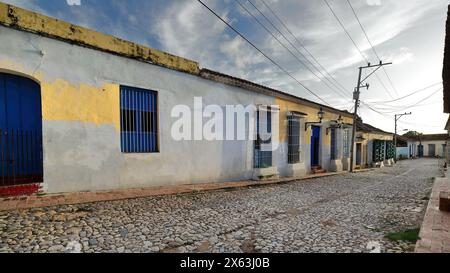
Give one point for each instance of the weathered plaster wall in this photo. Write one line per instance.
(325, 139)
(80, 99)
(367, 145)
(22, 19)
(439, 150)
(81, 119)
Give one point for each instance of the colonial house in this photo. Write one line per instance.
(434, 145)
(85, 111)
(374, 147)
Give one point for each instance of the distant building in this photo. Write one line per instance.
(434, 145)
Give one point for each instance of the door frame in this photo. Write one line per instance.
(420, 150)
(316, 132)
(24, 163)
(360, 153)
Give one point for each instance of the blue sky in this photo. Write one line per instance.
(409, 33)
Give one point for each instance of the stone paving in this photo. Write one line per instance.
(345, 213)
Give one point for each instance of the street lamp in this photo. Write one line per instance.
(397, 117)
(320, 116)
(338, 123)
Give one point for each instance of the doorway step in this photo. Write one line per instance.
(317, 169)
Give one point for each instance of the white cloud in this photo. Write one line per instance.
(239, 53)
(374, 2)
(73, 2)
(187, 29)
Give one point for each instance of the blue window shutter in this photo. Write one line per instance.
(138, 120)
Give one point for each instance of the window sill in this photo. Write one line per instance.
(265, 173)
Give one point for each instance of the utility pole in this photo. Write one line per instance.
(397, 117)
(356, 98)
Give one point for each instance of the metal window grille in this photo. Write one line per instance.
(138, 120)
(378, 150)
(294, 143)
(263, 159)
(346, 147)
(333, 145)
(390, 150)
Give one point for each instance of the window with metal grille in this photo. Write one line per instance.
(346, 147)
(294, 144)
(333, 145)
(263, 158)
(138, 120)
(390, 150)
(378, 150)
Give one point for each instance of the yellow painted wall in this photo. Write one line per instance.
(365, 143)
(287, 106)
(22, 19)
(63, 101)
(373, 136)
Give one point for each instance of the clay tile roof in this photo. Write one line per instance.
(367, 128)
(258, 88)
(434, 137)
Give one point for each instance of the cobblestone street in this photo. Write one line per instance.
(343, 213)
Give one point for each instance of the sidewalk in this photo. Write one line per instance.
(27, 202)
(435, 231)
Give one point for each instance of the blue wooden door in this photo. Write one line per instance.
(420, 150)
(20, 131)
(315, 145)
(431, 150)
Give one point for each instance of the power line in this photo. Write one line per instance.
(409, 95)
(415, 104)
(298, 51)
(374, 110)
(281, 43)
(404, 122)
(261, 52)
(345, 29)
(302, 45)
(354, 43)
(371, 45)
(419, 124)
(407, 107)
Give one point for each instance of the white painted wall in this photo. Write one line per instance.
(402, 152)
(439, 148)
(86, 157)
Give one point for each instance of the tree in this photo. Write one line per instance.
(412, 134)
